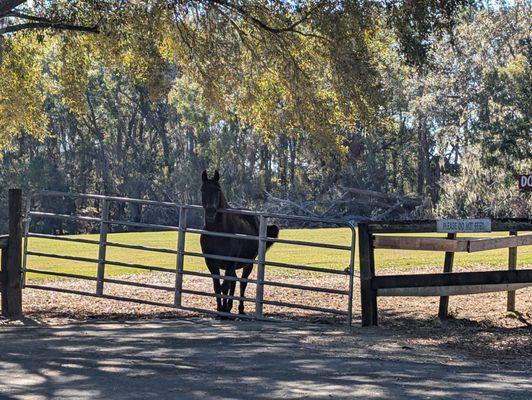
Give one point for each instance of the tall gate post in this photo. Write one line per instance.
(351, 276)
(368, 295)
(26, 231)
(12, 287)
(259, 297)
(180, 256)
(102, 250)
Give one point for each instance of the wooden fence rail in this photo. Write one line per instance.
(11, 247)
(446, 283)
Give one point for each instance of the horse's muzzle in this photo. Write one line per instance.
(210, 215)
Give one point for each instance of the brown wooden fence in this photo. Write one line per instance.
(11, 249)
(446, 283)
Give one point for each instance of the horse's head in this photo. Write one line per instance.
(211, 195)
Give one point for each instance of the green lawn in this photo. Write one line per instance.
(280, 252)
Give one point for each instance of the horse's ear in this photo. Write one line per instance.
(204, 176)
(216, 176)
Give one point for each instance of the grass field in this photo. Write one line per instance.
(282, 253)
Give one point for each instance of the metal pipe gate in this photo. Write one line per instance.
(181, 252)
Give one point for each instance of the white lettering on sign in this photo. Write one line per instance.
(463, 225)
(525, 182)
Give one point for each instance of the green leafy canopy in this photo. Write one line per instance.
(283, 67)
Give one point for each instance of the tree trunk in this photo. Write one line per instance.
(423, 159)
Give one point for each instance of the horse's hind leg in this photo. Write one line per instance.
(245, 274)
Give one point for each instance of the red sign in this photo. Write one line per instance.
(525, 182)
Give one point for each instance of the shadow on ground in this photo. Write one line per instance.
(210, 359)
(483, 341)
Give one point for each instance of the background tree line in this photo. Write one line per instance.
(453, 134)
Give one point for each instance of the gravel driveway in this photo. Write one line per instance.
(193, 358)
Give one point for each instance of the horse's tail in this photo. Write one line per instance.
(272, 231)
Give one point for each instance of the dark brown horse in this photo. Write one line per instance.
(213, 200)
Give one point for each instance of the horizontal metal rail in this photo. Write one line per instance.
(138, 284)
(4, 239)
(220, 296)
(61, 274)
(270, 263)
(62, 238)
(148, 302)
(310, 244)
(139, 247)
(306, 268)
(95, 260)
(308, 288)
(54, 193)
(142, 225)
(194, 207)
(222, 234)
(193, 230)
(310, 219)
(226, 314)
(102, 296)
(239, 316)
(267, 239)
(171, 228)
(199, 231)
(41, 214)
(62, 257)
(219, 257)
(214, 276)
(96, 242)
(304, 307)
(168, 228)
(139, 266)
(154, 268)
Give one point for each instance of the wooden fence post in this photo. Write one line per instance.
(512, 265)
(447, 267)
(367, 272)
(12, 287)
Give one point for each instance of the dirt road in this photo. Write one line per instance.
(195, 358)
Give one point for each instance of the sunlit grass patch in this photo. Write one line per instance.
(292, 254)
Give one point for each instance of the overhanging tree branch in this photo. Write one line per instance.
(240, 10)
(49, 25)
(28, 17)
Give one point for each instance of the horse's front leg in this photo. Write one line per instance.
(232, 284)
(217, 287)
(227, 304)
